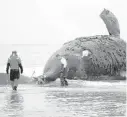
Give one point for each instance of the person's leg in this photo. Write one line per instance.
(16, 82)
(65, 82)
(65, 76)
(12, 78)
(12, 84)
(61, 79)
(16, 77)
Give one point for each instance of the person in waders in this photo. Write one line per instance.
(84, 57)
(63, 71)
(14, 63)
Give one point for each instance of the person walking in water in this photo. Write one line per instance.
(63, 71)
(14, 63)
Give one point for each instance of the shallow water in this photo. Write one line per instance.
(80, 99)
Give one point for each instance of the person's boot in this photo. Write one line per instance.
(62, 83)
(66, 83)
(15, 88)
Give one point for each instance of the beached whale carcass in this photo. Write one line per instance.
(106, 54)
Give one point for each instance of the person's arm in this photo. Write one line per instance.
(21, 68)
(20, 65)
(8, 65)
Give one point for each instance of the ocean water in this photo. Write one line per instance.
(79, 99)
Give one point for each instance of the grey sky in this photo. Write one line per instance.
(55, 21)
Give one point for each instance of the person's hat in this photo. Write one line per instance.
(14, 51)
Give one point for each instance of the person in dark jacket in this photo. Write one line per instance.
(14, 63)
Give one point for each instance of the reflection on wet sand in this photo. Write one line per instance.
(89, 99)
(13, 104)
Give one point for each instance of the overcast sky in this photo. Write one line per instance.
(55, 21)
(51, 23)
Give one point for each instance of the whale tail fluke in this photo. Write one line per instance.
(111, 23)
